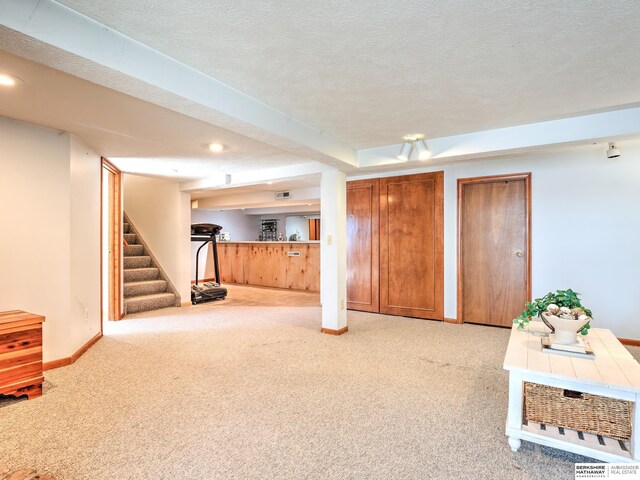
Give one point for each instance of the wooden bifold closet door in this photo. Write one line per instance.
(412, 246)
(362, 245)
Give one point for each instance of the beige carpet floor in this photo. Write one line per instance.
(246, 296)
(239, 392)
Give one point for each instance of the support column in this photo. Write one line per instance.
(333, 251)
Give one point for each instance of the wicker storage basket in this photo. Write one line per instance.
(578, 411)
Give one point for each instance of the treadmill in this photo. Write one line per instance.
(207, 291)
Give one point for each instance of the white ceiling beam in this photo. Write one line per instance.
(55, 25)
(293, 209)
(605, 126)
(219, 180)
(254, 177)
(301, 196)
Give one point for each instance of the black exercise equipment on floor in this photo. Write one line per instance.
(207, 291)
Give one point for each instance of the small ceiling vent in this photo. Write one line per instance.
(283, 195)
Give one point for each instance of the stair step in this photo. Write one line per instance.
(132, 250)
(149, 287)
(125, 227)
(141, 261)
(130, 238)
(145, 303)
(141, 274)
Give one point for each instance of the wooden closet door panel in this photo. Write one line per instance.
(494, 249)
(412, 246)
(362, 245)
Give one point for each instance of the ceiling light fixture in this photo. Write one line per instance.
(7, 80)
(216, 147)
(423, 149)
(405, 151)
(410, 141)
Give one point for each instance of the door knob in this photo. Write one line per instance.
(519, 253)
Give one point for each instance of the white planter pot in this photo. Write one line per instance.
(566, 331)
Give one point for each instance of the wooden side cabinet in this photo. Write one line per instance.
(21, 354)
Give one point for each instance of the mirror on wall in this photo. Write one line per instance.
(304, 227)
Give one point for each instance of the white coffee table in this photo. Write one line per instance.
(612, 373)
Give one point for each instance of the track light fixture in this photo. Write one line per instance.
(410, 141)
(405, 151)
(423, 150)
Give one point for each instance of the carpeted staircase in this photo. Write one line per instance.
(146, 286)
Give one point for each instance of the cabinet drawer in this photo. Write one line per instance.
(20, 357)
(21, 372)
(21, 354)
(11, 342)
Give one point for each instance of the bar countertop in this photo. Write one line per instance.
(269, 241)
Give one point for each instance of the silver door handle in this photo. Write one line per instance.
(519, 253)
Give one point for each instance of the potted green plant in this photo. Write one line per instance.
(563, 304)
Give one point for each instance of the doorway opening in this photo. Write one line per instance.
(494, 248)
(111, 242)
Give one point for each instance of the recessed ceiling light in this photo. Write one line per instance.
(7, 80)
(216, 147)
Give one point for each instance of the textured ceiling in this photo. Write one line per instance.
(117, 125)
(369, 72)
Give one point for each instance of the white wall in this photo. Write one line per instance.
(585, 227)
(241, 227)
(85, 170)
(333, 249)
(184, 247)
(161, 214)
(49, 193)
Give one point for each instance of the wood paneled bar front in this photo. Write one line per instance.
(292, 265)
